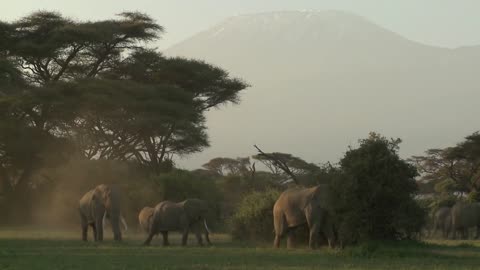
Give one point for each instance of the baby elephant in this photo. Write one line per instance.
(145, 218)
(183, 216)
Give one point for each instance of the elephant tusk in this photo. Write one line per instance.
(206, 226)
(104, 219)
(124, 223)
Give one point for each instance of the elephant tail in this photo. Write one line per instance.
(206, 226)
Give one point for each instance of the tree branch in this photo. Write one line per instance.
(279, 163)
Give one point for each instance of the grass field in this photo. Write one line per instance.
(29, 249)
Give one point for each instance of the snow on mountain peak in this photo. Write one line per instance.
(295, 25)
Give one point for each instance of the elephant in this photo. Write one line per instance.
(183, 216)
(145, 218)
(442, 220)
(97, 205)
(299, 206)
(464, 217)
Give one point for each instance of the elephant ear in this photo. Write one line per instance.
(322, 194)
(107, 193)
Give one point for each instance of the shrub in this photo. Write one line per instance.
(179, 185)
(375, 193)
(253, 218)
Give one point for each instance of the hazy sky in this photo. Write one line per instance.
(446, 23)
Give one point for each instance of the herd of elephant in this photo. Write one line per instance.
(295, 207)
(103, 203)
(457, 219)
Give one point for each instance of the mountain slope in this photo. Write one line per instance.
(321, 80)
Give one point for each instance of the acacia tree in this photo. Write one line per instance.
(90, 88)
(455, 169)
(50, 54)
(231, 167)
(164, 115)
(287, 166)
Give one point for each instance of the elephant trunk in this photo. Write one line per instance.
(113, 207)
(115, 219)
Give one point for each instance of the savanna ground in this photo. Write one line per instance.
(44, 249)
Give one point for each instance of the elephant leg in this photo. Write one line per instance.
(84, 232)
(99, 228)
(290, 239)
(165, 239)
(84, 224)
(207, 238)
(94, 229)
(185, 237)
(330, 233)
(199, 238)
(276, 242)
(149, 238)
(314, 232)
(315, 219)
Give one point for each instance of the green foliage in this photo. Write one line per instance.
(253, 218)
(374, 193)
(473, 196)
(10, 77)
(92, 89)
(241, 167)
(447, 186)
(453, 169)
(180, 185)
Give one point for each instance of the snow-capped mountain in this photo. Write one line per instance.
(322, 80)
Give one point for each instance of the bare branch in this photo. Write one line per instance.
(279, 163)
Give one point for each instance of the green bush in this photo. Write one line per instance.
(374, 193)
(253, 218)
(179, 185)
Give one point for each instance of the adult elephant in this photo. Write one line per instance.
(183, 216)
(95, 206)
(145, 218)
(299, 206)
(464, 217)
(442, 220)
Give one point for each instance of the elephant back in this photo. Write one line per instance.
(195, 209)
(168, 215)
(291, 204)
(442, 213)
(465, 215)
